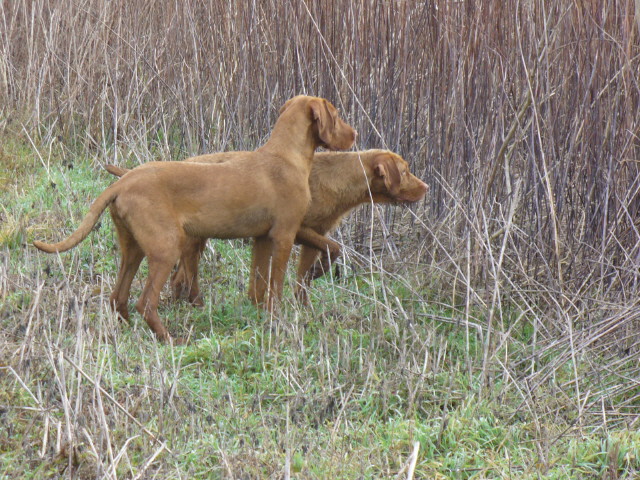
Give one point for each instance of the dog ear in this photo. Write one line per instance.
(386, 168)
(324, 120)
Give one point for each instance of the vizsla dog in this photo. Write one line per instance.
(159, 206)
(338, 183)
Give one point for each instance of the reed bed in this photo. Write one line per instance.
(522, 115)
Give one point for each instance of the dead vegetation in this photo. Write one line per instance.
(521, 115)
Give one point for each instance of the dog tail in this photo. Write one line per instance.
(117, 171)
(87, 224)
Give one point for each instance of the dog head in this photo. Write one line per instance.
(332, 131)
(392, 181)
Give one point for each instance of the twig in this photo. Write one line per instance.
(117, 404)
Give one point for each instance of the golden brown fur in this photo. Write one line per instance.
(339, 181)
(160, 206)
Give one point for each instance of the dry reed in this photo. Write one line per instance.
(522, 116)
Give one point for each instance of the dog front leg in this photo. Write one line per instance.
(282, 245)
(260, 261)
(330, 252)
(308, 256)
(311, 238)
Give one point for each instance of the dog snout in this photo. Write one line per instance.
(425, 188)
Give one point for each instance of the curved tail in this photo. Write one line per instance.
(87, 224)
(117, 171)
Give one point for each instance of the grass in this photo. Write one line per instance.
(489, 331)
(347, 388)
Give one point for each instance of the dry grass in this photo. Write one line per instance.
(521, 115)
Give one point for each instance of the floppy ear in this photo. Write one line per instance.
(324, 120)
(386, 168)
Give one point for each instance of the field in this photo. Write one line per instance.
(488, 331)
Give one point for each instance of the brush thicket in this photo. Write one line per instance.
(521, 115)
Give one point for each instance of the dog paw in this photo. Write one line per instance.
(302, 296)
(176, 341)
(197, 301)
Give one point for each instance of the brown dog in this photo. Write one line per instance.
(158, 206)
(338, 183)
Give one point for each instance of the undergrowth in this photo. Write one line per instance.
(376, 377)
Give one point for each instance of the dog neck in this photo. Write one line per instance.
(293, 136)
(356, 172)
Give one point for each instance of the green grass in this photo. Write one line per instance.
(343, 389)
